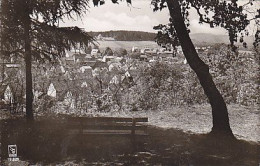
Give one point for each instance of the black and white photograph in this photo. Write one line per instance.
(129, 83)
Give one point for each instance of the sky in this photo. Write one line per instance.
(136, 17)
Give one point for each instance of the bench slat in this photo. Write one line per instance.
(107, 119)
(107, 127)
(105, 132)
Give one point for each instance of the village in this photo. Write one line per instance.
(92, 71)
(83, 80)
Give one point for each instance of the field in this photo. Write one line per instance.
(115, 45)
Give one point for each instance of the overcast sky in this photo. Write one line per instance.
(138, 17)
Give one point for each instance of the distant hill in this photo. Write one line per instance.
(205, 38)
(210, 39)
(197, 38)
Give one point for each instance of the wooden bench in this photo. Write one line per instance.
(108, 125)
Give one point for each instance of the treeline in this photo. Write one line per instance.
(126, 35)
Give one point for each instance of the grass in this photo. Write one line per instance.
(177, 136)
(43, 145)
(244, 120)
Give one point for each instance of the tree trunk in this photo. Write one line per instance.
(28, 66)
(218, 105)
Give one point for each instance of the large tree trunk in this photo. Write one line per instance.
(218, 105)
(28, 65)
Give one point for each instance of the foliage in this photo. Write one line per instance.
(121, 52)
(225, 14)
(57, 38)
(162, 85)
(236, 74)
(108, 52)
(30, 29)
(135, 55)
(166, 35)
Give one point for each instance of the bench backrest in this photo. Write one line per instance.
(107, 119)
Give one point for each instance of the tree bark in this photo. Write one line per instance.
(28, 65)
(219, 109)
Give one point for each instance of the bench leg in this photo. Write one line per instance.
(133, 127)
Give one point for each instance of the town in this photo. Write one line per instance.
(92, 70)
(85, 80)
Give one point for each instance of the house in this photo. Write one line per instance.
(2, 90)
(100, 64)
(84, 84)
(114, 67)
(62, 69)
(135, 49)
(69, 100)
(99, 71)
(200, 49)
(151, 51)
(69, 61)
(59, 88)
(13, 65)
(131, 74)
(40, 90)
(85, 69)
(90, 63)
(127, 74)
(8, 94)
(100, 37)
(79, 57)
(115, 80)
(152, 60)
(146, 49)
(88, 57)
(179, 50)
(37, 94)
(88, 60)
(94, 52)
(185, 61)
(69, 54)
(118, 60)
(128, 78)
(165, 56)
(108, 58)
(52, 91)
(85, 72)
(143, 57)
(166, 51)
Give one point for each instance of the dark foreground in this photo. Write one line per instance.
(47, 142)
